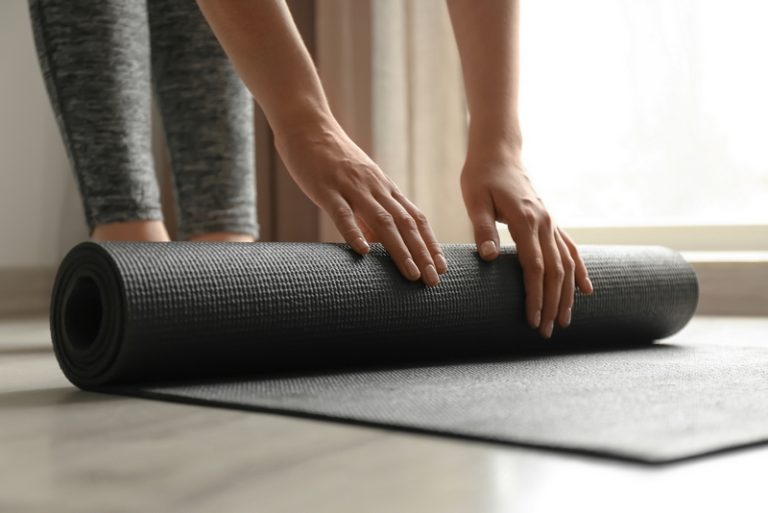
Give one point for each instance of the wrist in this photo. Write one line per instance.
(484, 150)
(302, 120)
(494, 140)
(311, 137)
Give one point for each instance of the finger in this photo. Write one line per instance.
(569, 283)
(383, 224)
(532, 262)
(482, 214)
(409, 231)
(426, 233)
(553, 280)
(344, 220)
(369, 234)
(580, 272)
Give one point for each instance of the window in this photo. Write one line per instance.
(648, 114)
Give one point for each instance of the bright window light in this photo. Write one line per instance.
(647, 113)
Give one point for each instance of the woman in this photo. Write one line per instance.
(99, 59)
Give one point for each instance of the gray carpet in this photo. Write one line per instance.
(312, 329)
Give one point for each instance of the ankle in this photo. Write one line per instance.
(222, 237)
(131, 231)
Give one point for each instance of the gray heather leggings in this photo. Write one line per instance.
(100, 60)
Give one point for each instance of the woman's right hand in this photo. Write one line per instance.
(265, 46)
(363, 202)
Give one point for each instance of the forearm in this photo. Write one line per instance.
(494, 183)
(260, 38)
(265, 47)
(487, 36)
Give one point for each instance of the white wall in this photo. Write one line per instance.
(40, 212)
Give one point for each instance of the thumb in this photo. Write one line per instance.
(483, 217)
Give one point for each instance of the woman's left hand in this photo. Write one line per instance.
(496, 187)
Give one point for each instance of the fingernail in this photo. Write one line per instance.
(430, 276)
(487, 249)
(568, 318)
(411, 269)
(548, 329)
(442, 264)
(360, 245)
(537, 319)
(591, 287)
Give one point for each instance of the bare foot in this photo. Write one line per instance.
(222, 237)
(131, 231)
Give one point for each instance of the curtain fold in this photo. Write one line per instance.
(392, 74)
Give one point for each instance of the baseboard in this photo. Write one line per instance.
(25, 291)
(728, 285)
(732, 284)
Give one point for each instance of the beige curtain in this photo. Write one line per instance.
(393, 77)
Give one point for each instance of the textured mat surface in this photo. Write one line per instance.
(293, 327)
(658, 403)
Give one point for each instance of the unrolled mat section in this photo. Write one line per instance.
(314, 329)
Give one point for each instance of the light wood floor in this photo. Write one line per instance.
(64, 450)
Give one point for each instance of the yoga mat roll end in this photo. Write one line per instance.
(87, 315)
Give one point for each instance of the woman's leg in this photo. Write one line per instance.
(208, 120)
(95, 62)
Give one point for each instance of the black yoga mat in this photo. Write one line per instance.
(313, 329)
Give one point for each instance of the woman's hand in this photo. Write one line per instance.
(497, 188)
(265, 46)
(364, 204)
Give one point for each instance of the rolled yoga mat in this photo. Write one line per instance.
(315, 330)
